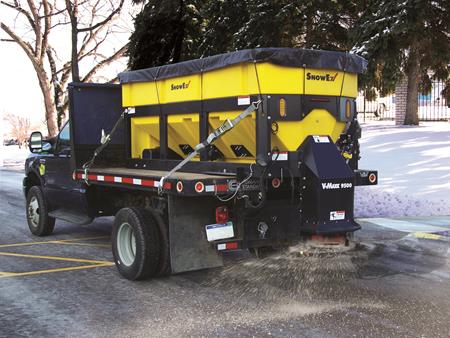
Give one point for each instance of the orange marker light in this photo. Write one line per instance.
(282, 107)
(348, 109)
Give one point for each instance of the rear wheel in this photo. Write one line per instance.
(135, 243)
(39, 222)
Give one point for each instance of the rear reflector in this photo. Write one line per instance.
(228, 246)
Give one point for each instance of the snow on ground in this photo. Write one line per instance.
(413, 164)
(13, 157)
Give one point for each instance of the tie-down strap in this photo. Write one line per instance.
(225, 127)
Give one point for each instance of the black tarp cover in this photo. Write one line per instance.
(290, 57)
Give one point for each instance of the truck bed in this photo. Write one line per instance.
(182, 183)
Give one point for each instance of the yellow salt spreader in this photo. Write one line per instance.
(251, 149)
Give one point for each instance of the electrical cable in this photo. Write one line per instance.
(227, 199)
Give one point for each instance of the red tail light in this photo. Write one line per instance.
(222, 215)
(199, 187)
(276, 182)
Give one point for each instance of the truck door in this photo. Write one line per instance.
(61, 190)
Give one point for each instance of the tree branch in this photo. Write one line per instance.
(38, 28)
(47, 26)
(105, 62)
(108, 18)
(93, 49)
(27, 48)
(21, 10)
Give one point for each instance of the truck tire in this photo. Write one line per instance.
(164, 258)
(135, 243)
(39, 222)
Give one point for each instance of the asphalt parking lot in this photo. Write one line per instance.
(396, 283)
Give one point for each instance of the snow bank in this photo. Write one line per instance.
(414, 170)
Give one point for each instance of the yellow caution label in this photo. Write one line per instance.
(347, 155)
(42, 169)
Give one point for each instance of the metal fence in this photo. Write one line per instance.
(432, 106)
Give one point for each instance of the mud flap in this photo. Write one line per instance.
(189, 249)
(328, 191)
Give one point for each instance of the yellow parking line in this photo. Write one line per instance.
(6, 273)
(38, 272)
(426, 235)
(55, 258)
(83, 244)
(52, 242)
(82, 239)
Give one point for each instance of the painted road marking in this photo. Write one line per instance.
(6, 274)
(404, 226)
(427, 235)
(74, 241)
(53, 242)
(38, 272)
(54, 258)
(83, 244)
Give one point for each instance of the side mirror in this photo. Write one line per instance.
(35, 143)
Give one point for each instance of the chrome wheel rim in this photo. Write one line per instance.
(126, 244)
(33, 211)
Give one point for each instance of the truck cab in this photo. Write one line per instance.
(48, 176)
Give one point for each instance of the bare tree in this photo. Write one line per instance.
(93, 24)
(20, 127)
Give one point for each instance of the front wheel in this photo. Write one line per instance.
(135, 243)
(39, 222)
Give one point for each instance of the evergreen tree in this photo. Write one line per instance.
(223, 20)
(407, 38)
(328, 23)
(241, 24)
(175, 30)
(165, 32)
(271, 24)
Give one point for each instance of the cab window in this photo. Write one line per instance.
(63, 143)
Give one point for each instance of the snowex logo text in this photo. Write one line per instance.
(183, 85)
(325, 77)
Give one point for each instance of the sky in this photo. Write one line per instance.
(19, 88)
(20, 93)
